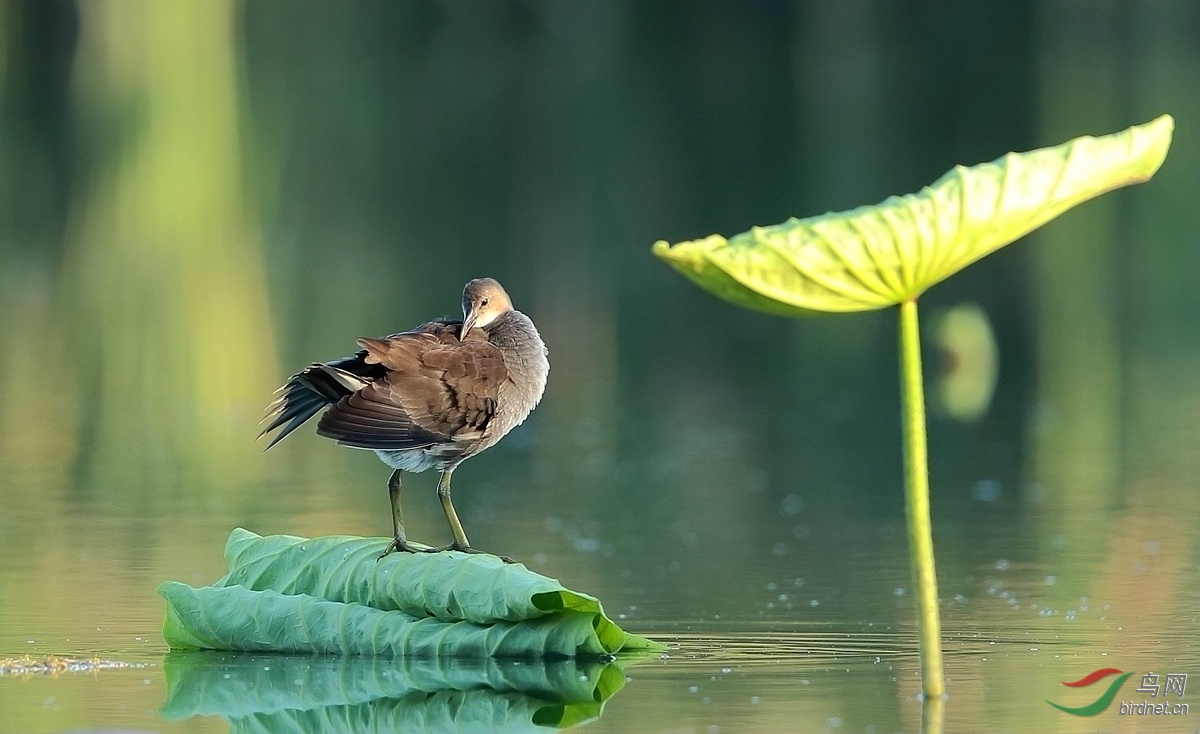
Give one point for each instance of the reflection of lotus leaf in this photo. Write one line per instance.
(273, 693)
(970, 363)
(877, 256)
(331, 595)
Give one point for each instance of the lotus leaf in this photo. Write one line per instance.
(327, 595)
(878, 256)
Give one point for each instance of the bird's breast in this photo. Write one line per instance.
(527, 366)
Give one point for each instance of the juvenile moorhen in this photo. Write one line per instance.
(427, 398)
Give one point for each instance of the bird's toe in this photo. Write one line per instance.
(396, 546)
(467, 549)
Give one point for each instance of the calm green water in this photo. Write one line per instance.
(197, 199)
(785, 598)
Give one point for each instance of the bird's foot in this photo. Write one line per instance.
(467, 549)
(397, 545)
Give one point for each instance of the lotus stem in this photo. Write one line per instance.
(916, 503)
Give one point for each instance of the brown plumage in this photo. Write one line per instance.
(427, 398)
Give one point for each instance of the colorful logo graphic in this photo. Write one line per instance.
(1105, 699)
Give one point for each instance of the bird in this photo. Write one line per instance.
(429, 398)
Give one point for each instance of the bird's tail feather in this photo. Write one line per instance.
(312, 389)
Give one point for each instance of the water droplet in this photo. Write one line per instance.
(792, 504)
(772, 586)
(814, 603)
(693, 689)
(726, 671)
(706, 700)
(783, 597)
(1033, 649)
(898, 591)
(1002, 564)
(798, 582)
(1051, 580)
(780, 548)
(755, 699)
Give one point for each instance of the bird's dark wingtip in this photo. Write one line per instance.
(276, 439)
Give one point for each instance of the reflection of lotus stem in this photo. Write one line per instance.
(916, 494)
(933, 715)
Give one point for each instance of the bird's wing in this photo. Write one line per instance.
(315, 387)
(436, 390)
(322, 384)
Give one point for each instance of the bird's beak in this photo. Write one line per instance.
(468, 323)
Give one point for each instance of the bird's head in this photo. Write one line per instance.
(484, 300)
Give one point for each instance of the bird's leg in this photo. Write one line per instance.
(399, 540)
(460, 537)
(443, 491)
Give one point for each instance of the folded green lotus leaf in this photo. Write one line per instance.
(449, 586)
(241, 685)
(333, 595)
(237, 618)
(877, 256)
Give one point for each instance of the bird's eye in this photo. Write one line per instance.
(484, 302)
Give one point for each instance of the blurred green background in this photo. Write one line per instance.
(199, 198)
